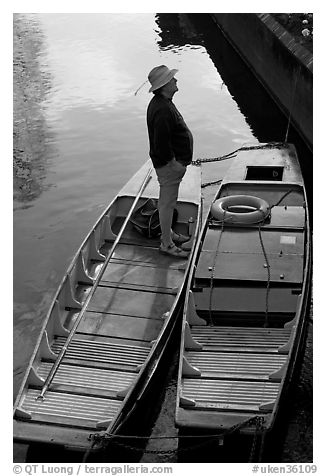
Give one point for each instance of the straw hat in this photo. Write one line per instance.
(159, 76)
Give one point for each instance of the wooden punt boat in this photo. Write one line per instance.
(247, 297)
(109, 323)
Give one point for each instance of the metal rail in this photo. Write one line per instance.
(90, 295)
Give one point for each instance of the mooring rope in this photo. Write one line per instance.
(266, 256)
(268, 274)
(231, 155)
(291, 108)
(103, 438)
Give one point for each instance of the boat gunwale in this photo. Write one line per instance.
(300, 316)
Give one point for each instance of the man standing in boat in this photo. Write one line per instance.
(171, 149)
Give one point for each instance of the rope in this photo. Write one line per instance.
(100, 438)
(268, 274)
(231, 155)
(262, 445)
(259, 429)
(160, 452)
(214, 159)
(282, 198)
(266, 257)
(207, 184)
(291, 109)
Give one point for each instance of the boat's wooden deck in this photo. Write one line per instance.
(236, 367)
(113, 339)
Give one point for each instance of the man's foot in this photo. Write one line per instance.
(178, 238)
(173, 250)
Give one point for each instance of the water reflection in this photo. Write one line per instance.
(261, 113)
(31, 138)
(176, 31)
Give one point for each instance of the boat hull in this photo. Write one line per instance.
(247, 301)
(108, 326)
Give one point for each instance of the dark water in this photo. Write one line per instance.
(80, 133)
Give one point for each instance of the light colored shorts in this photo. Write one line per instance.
(171, 174)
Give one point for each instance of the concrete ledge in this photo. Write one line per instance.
(278, 61)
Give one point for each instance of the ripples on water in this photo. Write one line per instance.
(80, 132)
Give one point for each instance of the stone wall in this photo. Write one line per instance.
(278, 61)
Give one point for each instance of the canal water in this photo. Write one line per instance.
(80, 133)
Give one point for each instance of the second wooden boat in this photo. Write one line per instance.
(247, 297)
(108, 325)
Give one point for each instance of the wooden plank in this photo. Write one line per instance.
(240, 339)
(229, 394)
(113, 340)
(69, 409)
(211, 419)
(98, 364)
(130, 303)
(145, 255)
(88, 353)
(235, 365)
(132, 237)
(151, 276)
(142, 255)
(288, 216)
(148, 264)
(137, 287)
(247, 300)
(246, 240)
(117, 325)
(249, 267)
(32, 432)
(142, 278)
(87, 380)
(53, 419)
(281, 157)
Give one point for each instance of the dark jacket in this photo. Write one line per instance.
(168, 133)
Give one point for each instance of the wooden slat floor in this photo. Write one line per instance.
(235, 365)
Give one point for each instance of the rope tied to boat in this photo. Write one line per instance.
(231, 155)
(267, 264)
(292, 104)
(259, 430)
(214, 182)
(268, 267)
(103, 439)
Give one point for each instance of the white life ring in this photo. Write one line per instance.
(240, 209)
